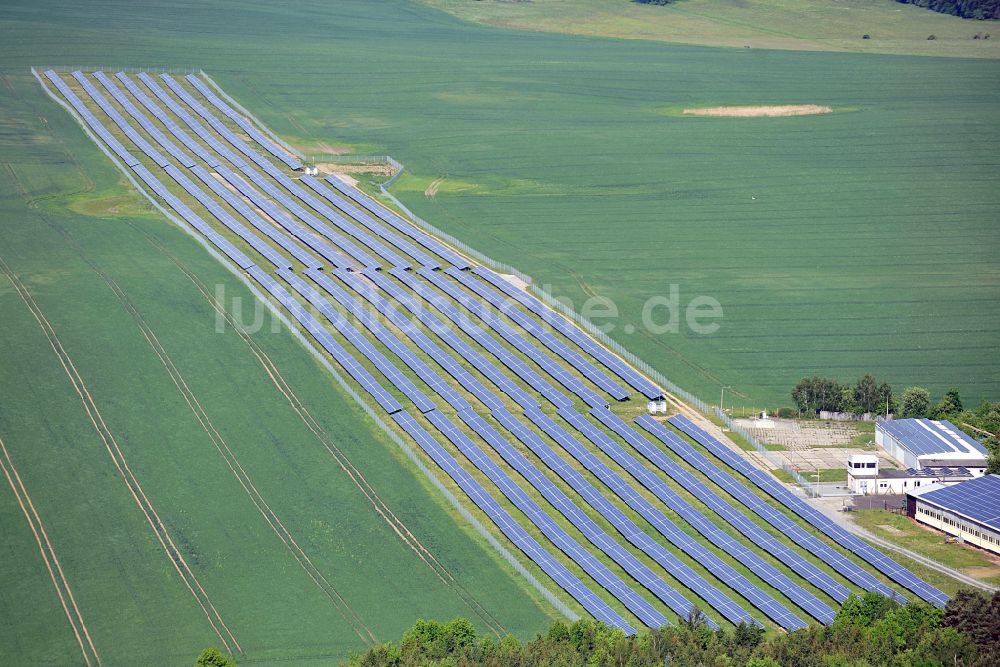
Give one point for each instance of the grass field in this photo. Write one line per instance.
(553, 153)
(837, 244)
(763, 24)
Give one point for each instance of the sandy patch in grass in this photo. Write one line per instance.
(332, 168)
(432, 189)
(760, 111)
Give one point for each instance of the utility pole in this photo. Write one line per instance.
(722, 395)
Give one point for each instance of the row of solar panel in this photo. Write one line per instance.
(549, 316)
(452, 400)
(246, 125)
(770, 485)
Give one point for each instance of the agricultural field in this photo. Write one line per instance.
(840, 243)
(801, 25)
(301, 530)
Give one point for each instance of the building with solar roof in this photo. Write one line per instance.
(970, 511)
(926, 443)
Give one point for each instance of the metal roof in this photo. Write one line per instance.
(926, 437)
(976, 499)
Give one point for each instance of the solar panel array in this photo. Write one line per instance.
(770, 485)
(303, 230)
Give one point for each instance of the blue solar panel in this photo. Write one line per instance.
(442, 331)
(318, 245)
(490, 344)
(167, 121)
(506, 523)
(120, 121)
(183, 158)
(258, 222)
(413, 333)
(558, 322)
(317, 186)
(593, 497)
(386, 400)
(926, 437)
(516, 340)
(719, 568)
(229, 221)
(92, 121)
(422, 238)
(369, 320)
(535, 329)
(341, 241)
(704, 525)
(552, 530)
(706, 591)
(246, 125)
(776, 490)
(730, 514)
(358, 340)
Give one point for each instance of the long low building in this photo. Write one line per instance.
(969, 510)
(927, 443)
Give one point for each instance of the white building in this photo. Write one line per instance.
(866, 478)
(970, 511)
(924, 443)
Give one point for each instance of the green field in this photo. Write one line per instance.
(869, 245)
(857, 241)
(837, 25)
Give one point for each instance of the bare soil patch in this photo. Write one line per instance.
(432, 189)
(333, 168)
(760, 111)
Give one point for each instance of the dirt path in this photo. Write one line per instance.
(121, 464)
(432, 189)
(50, 558)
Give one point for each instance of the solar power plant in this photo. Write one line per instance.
(350, 332)
(420, 256)
(387, 338)
(640, 537)
(773, 488)
(485, 340)
(758, 506)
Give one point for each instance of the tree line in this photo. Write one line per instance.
(869, 630)
(967, 9)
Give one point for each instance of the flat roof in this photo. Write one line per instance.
(977, 499)
(924, 437)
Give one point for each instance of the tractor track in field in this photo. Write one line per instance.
(243, 477)
(344, 462)
(49, 557)
(160, 531)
